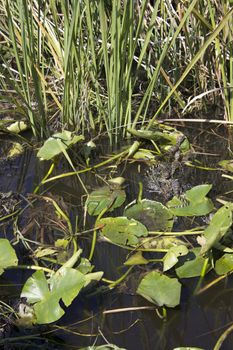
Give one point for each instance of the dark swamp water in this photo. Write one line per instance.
(198, 321)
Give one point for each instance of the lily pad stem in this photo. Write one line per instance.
(94, 237)
(113, 284)
(30, 267)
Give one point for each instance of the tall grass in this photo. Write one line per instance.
(108, 65)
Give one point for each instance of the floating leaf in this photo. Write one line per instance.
(193, 265)
(136, 259)
(227, 165)
(104, 198)
(57, 143)
(121, 230)
(7, 255)
(193, 203)
(171, 258)
(160, 289)
(219, 225)
(224, 264)
(65, 284)
(154, 215)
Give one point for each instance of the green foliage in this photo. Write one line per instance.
(160, 289)
(104, 198)
(193, 203)
(218, 227)
(45, 295)
(121, 230)
(154, 215)
(193, 265)
(118, 75)
(224, 264)
(57, 143)
(7, 255)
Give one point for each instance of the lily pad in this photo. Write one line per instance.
(45, 295)
(171, 258)
(193, 203)
(154, 215)
(121, 230)
(160, 289)
(224, 264)
(57, 143)
(104, 198)
(7, 255)
(218, 227)
(193, 265)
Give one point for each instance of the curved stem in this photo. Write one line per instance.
(223, 337)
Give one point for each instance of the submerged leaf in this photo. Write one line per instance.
(121, 230)
(104, 198)
(171, 258)
(224, 264)
(7, 255)
(57, 143)
(193, 203)
(160, 289)
(219, 225)
(154, 215)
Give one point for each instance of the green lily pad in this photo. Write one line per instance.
(136, 259)
(224, 264)
(193, 265)
(154, 215)
(7, 255)
(121, 230)
(160, 289)
(45, 295)
(57, 143)
(218, 227)
(104, 198)
(171, 258)
(193, 203)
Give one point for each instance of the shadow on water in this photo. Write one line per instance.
(198, 321)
